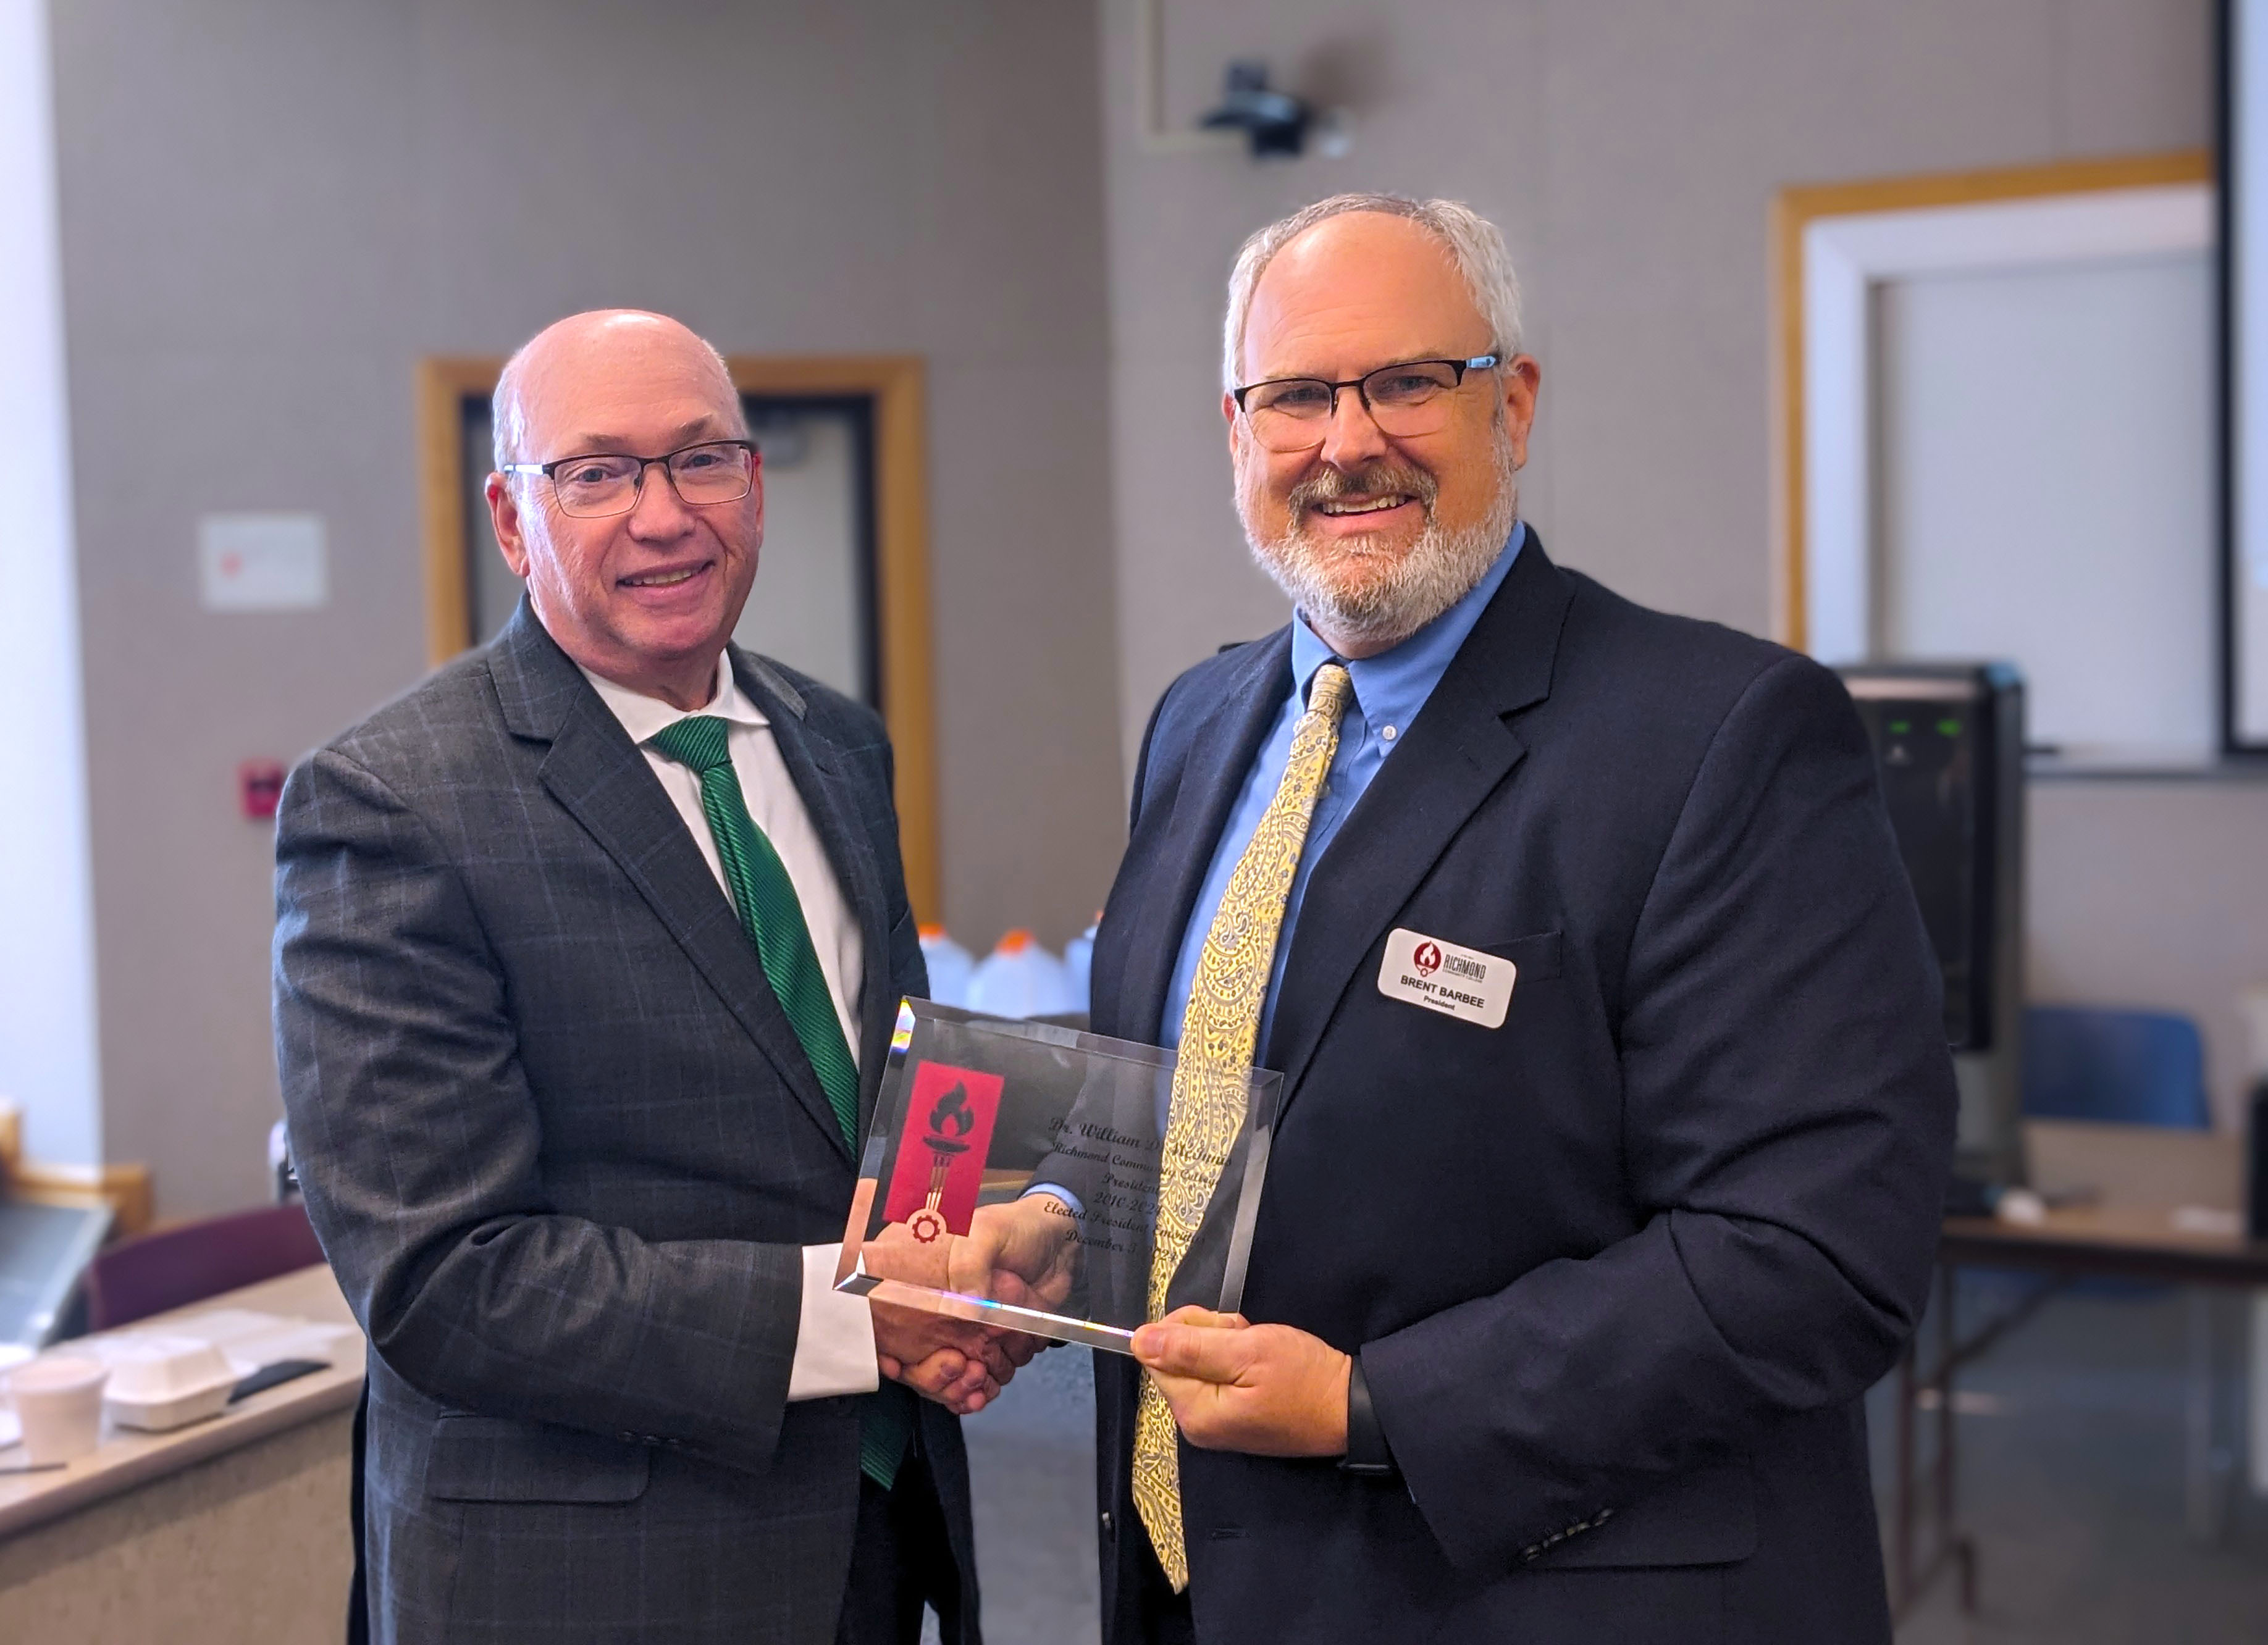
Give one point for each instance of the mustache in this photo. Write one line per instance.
(1373, 479)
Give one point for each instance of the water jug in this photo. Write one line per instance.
(951, 966)
(1079, 960)
(1022, 979)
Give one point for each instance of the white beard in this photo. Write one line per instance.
(1355, 592)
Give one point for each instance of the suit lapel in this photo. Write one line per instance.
(1221, 752)
(832, 806)
(1456, 754)
(600, 778)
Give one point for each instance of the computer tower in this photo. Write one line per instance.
(1949, 749)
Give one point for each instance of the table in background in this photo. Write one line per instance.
(2151, 1184)
(229, 1529)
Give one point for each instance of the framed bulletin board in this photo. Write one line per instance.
(1993, 393)
(842, 588)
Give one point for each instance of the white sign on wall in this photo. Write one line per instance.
(262, 562)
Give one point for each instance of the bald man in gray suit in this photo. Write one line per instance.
(587, 953)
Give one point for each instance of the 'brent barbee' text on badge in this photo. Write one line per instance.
(1461, 983)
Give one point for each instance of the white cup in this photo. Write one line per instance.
(12, 1356)
(59, 1402)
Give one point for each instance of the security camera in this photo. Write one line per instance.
(1273, 122)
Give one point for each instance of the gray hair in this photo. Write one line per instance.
(507, 422)
(508, 418)
(1475, 245)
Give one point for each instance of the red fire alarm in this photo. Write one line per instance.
(260, 785)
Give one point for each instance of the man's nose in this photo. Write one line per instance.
(1353, 436)
(659, 512)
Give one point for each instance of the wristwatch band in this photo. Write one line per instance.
(1366, 1451)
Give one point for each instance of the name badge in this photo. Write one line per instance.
(1459, 982)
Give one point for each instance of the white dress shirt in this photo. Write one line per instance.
(834, 1336)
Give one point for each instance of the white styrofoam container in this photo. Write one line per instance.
(158, 1382)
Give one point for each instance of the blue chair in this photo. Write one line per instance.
(2114, 1067)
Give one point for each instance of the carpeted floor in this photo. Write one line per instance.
(1031, 1463)
(2072, 1482)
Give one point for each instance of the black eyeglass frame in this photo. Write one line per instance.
(1478, 363)
(550, 471)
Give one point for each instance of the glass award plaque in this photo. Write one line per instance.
(1014, 1172)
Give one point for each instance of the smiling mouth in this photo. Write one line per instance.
(664, 579)
(1343, 506)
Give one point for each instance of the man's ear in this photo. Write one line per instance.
(1523, 380)
(1228, 412)
(503, 514)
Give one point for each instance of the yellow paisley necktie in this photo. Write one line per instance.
(1211, 1073)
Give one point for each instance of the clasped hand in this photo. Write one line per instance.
(961, 1365)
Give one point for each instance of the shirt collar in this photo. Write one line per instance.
(643, 717)
(1390, 688)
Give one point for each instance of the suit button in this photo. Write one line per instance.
(627, 1437)
(1105, 1523)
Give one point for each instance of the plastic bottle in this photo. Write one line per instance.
(1079, 960)
(951, 966)
(1022, 979)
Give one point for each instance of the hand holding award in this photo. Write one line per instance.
(1013, 1179)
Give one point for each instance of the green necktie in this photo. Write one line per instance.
(772, 915)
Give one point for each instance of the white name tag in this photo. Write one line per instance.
(1459, 982)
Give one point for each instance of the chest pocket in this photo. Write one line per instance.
(1535, 958)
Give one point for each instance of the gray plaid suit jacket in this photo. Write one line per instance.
(562, 1149)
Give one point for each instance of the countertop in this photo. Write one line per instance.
(128, 1459)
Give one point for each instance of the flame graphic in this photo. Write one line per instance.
(951, 1116)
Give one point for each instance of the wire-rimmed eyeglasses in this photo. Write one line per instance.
(599, 483)
(1290, 414)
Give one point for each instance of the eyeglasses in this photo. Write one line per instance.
(602, 483)
(1291, 414)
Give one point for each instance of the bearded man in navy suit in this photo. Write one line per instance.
(1616, 1114)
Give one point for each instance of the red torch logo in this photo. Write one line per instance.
(940, 1164)
(1428, 959)
(950, 1123)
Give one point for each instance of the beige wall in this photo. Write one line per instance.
(271, 211)
(2155, 893)
(1630, 150)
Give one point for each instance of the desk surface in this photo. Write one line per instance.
(2132, 1241)
(2148, 1188)
(128, 1459)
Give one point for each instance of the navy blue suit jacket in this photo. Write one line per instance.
(1620, 1271)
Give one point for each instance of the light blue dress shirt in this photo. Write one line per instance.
(1389, 689)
